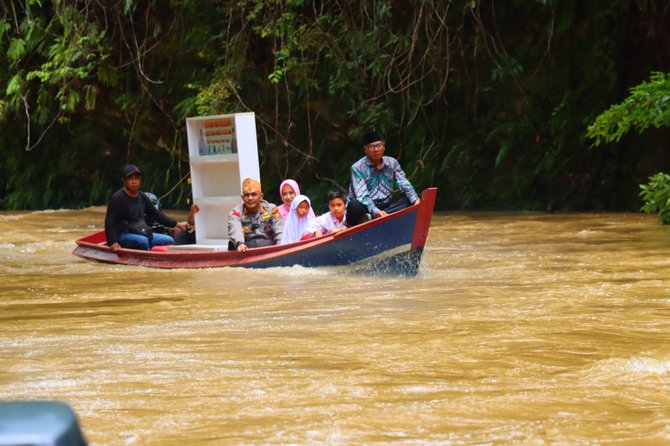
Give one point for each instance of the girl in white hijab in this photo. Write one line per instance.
(297, 220)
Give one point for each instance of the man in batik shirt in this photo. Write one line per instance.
(373, 180)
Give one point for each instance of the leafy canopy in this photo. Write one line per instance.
(648, 105)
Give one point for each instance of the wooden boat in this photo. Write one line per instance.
(391, 244)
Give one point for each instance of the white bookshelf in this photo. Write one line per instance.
(223, 151)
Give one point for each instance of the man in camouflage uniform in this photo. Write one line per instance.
(255, 222)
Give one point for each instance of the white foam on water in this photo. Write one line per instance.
(417, 389)
(298, 271)
(648, 365)
(11, 217)
(50, 211)
(586, 233)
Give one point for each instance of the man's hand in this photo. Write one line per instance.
(418, 200)
(241, 247)
(380, 213)
(115, 246)
(191, 215)
(182, 225)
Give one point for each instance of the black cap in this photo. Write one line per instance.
(372, 136)
(131, 169)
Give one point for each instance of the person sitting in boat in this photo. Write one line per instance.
(288, 190)
(255, 222)
(298, 221)
(187, 236)
(153, 224)
(181, 236)
(372, 183)
(332, 221)
(125, 220)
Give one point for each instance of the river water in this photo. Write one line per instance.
(521, 328)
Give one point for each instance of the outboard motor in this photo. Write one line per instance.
(155, 226)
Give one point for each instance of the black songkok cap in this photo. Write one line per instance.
(372, 136)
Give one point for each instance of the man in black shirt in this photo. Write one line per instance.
(125, 224)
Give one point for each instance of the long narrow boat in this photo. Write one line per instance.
(392, 244)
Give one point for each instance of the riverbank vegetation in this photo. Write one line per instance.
(647, 106)
(490, 101)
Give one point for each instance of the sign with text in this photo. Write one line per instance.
(217, 136)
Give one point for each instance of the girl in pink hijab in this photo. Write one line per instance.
(288, 190)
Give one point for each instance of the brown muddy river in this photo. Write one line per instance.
(521, 328)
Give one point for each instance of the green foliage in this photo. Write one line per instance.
(648, 105)
(4, 27)
(57, 59)
(656, 196)
(17, 49)
(486, 100)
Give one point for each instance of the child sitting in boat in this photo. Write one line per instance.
(332, 221)
(298, 220)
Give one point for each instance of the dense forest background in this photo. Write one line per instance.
(487, 100)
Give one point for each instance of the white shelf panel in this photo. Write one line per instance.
(212, 180)
(223, 151)
(228, 201)
(212, 220)
(215, 159)
(205, 248)
(214, 244)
